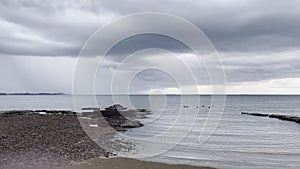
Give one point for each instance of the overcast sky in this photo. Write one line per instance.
(258, 42)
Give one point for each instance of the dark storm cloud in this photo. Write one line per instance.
(232, 25)
(145, 41)
(61, 28)
(269, 33)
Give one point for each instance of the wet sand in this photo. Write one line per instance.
(126, 163)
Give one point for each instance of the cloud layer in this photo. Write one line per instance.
(258, 41)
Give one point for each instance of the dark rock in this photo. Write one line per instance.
(143, 110)
(116, 107)
(4, 137)
(109, 113)
(16, 113)
(121, 118)
(131, 124)
(91, 108)
(106, 154)
(274, 116)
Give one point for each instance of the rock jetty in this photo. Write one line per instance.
(276, 116)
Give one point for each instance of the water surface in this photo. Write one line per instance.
(239, 141)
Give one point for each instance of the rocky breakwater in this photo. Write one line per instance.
(117, 116)
(276, 116)
(12, 113)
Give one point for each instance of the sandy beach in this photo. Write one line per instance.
(126, 163)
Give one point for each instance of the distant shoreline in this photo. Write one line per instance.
(29, 94)
(133, 94)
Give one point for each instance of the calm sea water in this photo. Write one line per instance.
(239, 141)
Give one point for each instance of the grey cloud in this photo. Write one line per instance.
(247, 67)
(232, 26)
(145, 41)
(66, 26)
(152, 79)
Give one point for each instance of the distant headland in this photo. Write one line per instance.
(2, 94)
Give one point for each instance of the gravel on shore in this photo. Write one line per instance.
(33, 141)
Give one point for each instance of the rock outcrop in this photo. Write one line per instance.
(117, 116)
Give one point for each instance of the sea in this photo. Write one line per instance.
(199, 130)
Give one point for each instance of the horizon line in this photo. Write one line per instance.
(174, 94)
